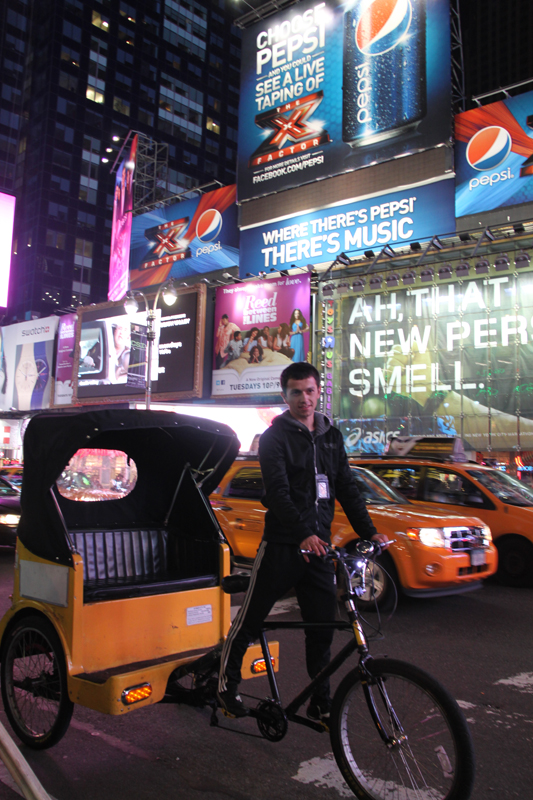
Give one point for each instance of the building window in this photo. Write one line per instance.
(89, 170)
(94, 95)
(64, 134)
(59, 184)
(146, 117)
(212, 126)
(55, 239)
(67, 81)
(66, 107)
(57, 211)
(100, 21)
(214, 103)
(87, 195)
(122, 106)
(91, 145)
(70, 56)
(123, 57)
(211, 147)
(72, 31)
(86, 220)
(125, 35)
(83, 248)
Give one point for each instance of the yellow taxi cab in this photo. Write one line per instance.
(435, 552)
(434, 471)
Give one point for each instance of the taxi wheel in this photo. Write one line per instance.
(381, 584)
(515, 561)
(34, 683)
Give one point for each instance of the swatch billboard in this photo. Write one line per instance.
(353, 226)
(494, 155)
(260, 328)
(334, 86)
(187, 238)
(121, 228)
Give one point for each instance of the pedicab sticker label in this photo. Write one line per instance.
(260, 328)
(197, 615)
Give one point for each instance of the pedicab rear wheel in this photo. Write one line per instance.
(34, 683)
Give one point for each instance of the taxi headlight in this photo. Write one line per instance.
(486, 535)
(9, 519)
(430, 537)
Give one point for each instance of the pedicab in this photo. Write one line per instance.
(113, 590)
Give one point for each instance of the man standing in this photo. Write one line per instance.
(304, 468)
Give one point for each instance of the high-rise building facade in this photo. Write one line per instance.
(77, 77)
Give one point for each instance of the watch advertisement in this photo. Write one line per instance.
(66, 339)
(260, 328)
(329, 87)
(27, 359)
(494, 155)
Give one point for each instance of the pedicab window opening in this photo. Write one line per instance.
(93, 475)
(453, 358)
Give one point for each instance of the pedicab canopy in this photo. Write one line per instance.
(160, 443)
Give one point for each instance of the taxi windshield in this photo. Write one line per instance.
(505, 488)
(376, 492)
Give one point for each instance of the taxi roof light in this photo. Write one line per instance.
(136, 693)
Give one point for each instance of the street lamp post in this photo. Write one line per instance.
(131, 306)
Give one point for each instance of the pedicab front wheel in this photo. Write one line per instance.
(34, 683)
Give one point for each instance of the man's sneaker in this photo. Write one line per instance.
(231, 704)
(319, 709)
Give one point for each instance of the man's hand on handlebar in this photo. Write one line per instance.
(382, 539)
(314, 544)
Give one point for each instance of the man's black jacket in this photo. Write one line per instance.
(288, 455)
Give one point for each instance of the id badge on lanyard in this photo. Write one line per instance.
(322, 487)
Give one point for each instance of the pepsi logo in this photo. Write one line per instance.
(382, 25)
(209, 225)
(488, 148)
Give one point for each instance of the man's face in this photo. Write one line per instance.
(224, 321)
(301, 397)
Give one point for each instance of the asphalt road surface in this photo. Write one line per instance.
(478, 644)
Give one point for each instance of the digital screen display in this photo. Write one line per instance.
(7, 218)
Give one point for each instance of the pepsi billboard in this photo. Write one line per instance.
(353, 226)
(330, 87)
(494, 155)
(191, 237)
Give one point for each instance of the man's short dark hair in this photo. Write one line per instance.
(224, 316)
(298, 371)
(236, 333)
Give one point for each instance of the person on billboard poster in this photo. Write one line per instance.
(265, 339)
(235, 347)
(256, 354)
(304, 468)
(298, 326)
(251, 340)
(225, 331)
(122, 343)
(281, 342)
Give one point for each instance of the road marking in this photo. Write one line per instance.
(323, 772)
(281, 607)
(523, 682)
(465, 704)
(86, 727)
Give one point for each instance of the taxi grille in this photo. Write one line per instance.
(461, 539)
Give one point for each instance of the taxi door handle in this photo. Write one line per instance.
(222, 508)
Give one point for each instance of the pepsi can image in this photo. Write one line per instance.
(384, 69)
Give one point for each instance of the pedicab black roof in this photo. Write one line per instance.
(160, 443)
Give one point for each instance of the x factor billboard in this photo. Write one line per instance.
(191, 237)
(333, 86)
(494, 155)
(353, 226)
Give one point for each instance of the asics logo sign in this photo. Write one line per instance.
(485, 151)
(382, 25)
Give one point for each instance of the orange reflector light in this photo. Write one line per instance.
(412, 533)
(136, 694)
(259, 665)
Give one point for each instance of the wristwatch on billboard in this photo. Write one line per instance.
(43, 373)
(25, 377)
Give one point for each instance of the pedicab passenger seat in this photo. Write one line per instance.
(136, 563)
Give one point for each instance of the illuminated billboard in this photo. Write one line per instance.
(353, 226)
(110, 354)
(191, 237)
(260, 328)
(121, 228)
(7, 218)
(494, 155)
(452, 358)
(330, 87)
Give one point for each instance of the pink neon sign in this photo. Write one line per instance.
(7, 217)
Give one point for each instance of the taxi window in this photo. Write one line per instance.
(506, 489)
(404, 479)
(247, 482)
(95, 475)
(445, 486)
(7, 490)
